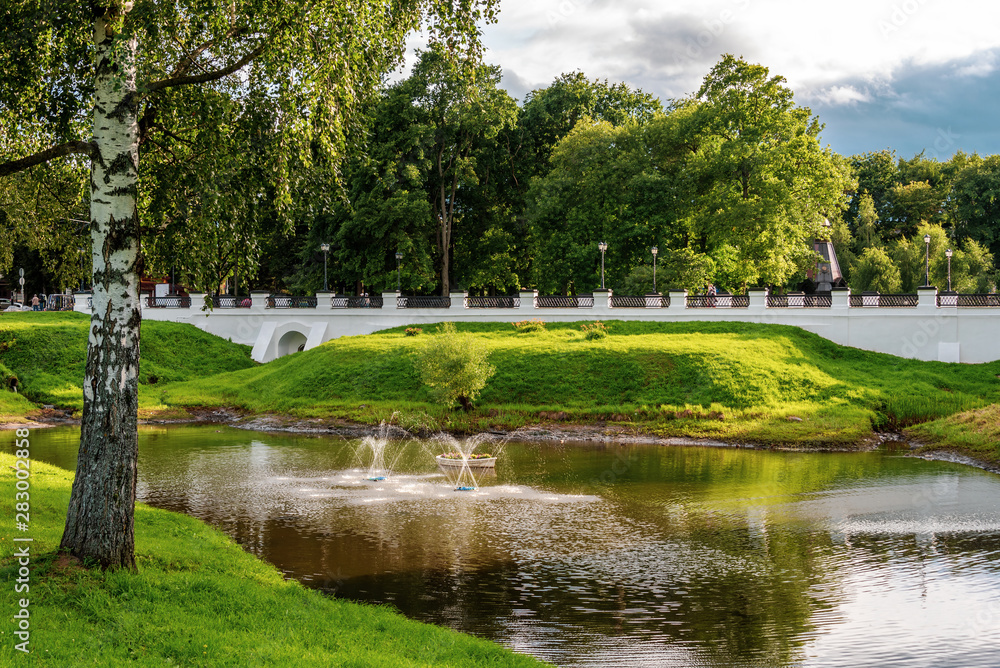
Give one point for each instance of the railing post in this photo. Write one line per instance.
(258, 300)
(527, 304)
(678, 299)
(324, 301)
(758, 298)
(81, 303)
(927, 298)
(602, 304)
(458, 298)
(197, 300)
(840, 298)
(389, 299)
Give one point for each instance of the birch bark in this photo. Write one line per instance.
(100, 520)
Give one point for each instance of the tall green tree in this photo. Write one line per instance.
(877, 173)
(875, 271)
(41, 219)
(583, 200)
(768, 184)
(88, 79)
(436, 152)
(976, 195)
(867, 233)
(914, 203)
(547, 118)
(549, 113)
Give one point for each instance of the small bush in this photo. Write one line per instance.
(526, 326)
(598, 330)
(454, 366)
(413, 331)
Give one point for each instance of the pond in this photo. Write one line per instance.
(610, 555)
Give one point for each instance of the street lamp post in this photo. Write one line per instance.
(654, 250)
(325, 247)
(947, 254)
(602, 246)
(399, 256)
(927, 260)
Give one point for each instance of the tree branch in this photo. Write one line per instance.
(69, 148)
(209, 76)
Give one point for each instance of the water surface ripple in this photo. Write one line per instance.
(603, 555)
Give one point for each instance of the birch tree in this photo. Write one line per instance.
(87, 81)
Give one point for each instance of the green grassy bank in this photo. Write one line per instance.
(767, 384)
(763, 383)
(197, 599)
(45, 354)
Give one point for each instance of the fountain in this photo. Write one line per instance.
(373, 450)
(465, 466)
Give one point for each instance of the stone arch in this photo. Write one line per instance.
(290, 342)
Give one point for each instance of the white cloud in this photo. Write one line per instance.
(982, 65)
(812, 44)
(841, 95)
(855, 56)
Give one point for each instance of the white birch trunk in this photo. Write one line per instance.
(99, 524)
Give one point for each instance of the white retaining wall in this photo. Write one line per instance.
(926, 332)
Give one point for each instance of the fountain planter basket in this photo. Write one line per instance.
(484, 463)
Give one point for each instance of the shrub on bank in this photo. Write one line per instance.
(597, 330)
(454, 366)
(528, 326)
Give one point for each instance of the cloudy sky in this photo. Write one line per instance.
(909, 75)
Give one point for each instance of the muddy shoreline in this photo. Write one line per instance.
(566, 433)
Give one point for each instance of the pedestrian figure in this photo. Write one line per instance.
(711, 294)
(34, 304)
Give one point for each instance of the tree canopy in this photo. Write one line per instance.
(111, 84)
(735, 174)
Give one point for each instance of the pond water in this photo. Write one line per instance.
(608, 555)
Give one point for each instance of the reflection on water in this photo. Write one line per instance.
(593, 555)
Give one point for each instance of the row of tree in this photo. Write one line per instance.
(474, 190)
(731, 185)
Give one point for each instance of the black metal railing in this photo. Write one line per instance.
(641, 301)
(169, 301)
(230, 301)
(777, 301)
(564, 301)
(978, 301)
(290, 301)
(947, 299)
(718, 301)
(429, 301)
(818, 300)
(351, 301)
(884, 301)
(513, 301)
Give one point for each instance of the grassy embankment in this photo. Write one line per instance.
(47, 354)
(733, 381)
(197, 599)
(721, 380)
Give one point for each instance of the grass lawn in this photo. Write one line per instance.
(198, 600)
(47, 353)
(975, 433)
(732, 381)
(769, 384)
